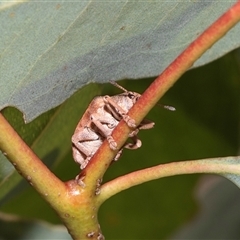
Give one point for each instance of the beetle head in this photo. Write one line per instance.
(126, 99)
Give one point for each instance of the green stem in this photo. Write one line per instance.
(75, 205)
(212, 165)
(28, 164)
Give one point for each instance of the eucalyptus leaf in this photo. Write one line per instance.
(51, 49)
(229, 167)
(218, 215)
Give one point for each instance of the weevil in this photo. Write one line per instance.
(100, 119)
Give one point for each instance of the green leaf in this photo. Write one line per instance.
(49, 50)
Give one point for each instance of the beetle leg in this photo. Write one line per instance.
(134, 133)
(78, 158)
(118, 155)
(137, 143)
(105, 131)
(130, 122)
(80, 147)
(85, 144)
(82, 136)
(146, 124)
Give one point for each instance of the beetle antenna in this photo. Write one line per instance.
(170, 108)
(118, 86)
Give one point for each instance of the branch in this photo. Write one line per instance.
(28, 164)
(222, 166)
(74, 205)
(103, 157)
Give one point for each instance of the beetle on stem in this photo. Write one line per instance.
(99, 120)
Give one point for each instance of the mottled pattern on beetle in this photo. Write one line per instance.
(99, 120)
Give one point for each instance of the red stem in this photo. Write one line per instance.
(157, 89)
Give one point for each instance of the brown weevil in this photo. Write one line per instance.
(100, 119)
